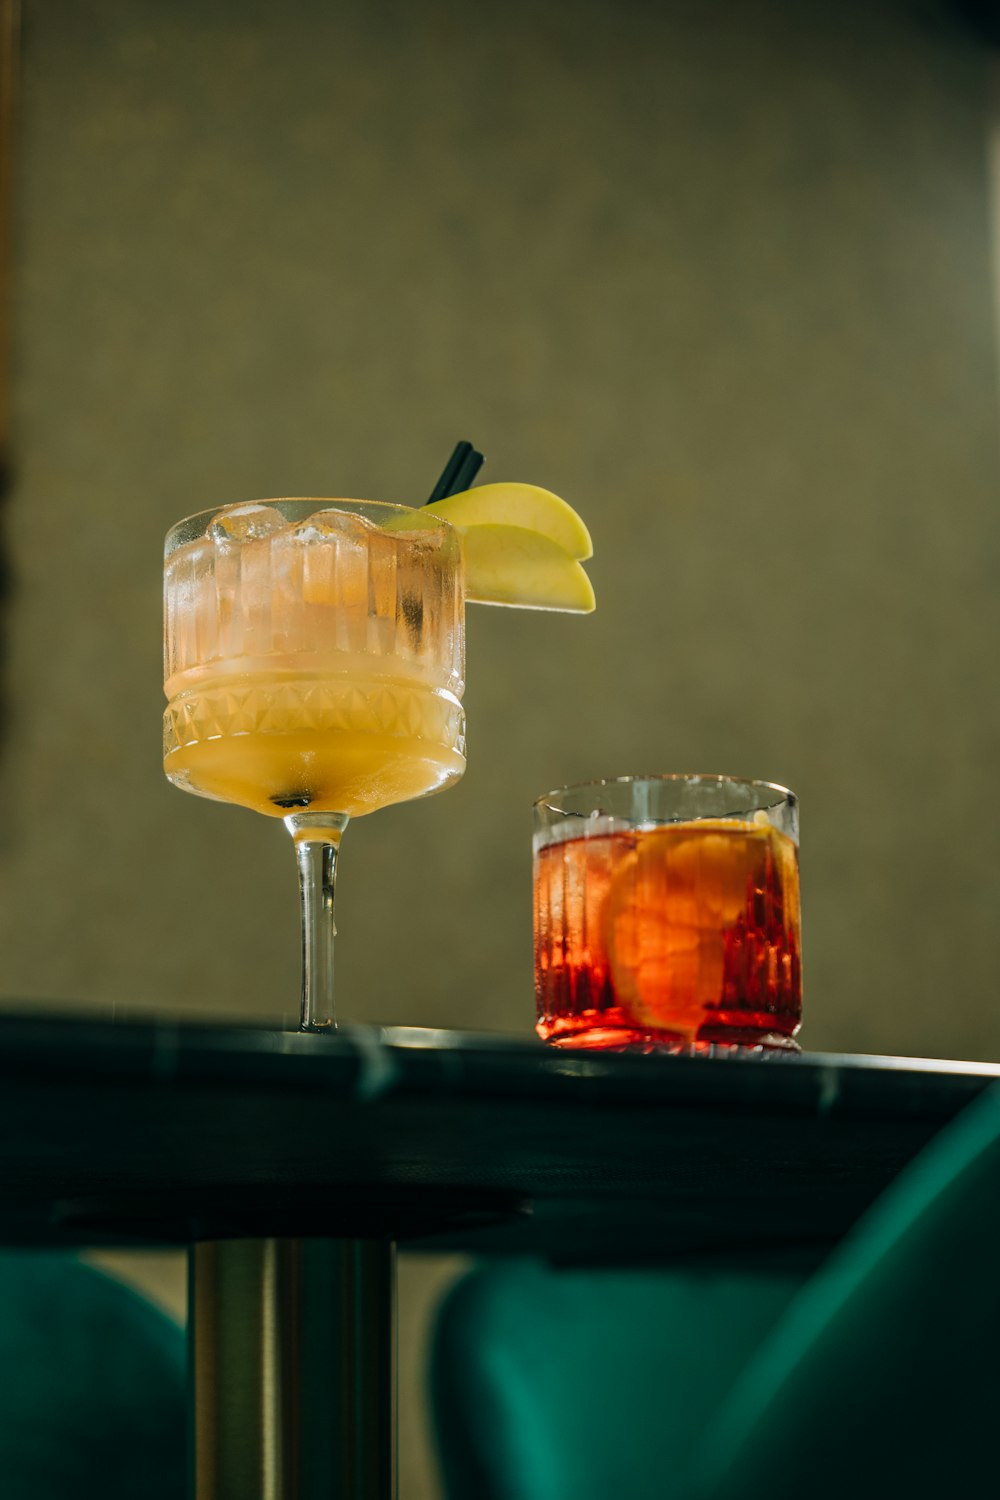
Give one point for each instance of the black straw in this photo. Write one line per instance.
(459, 472)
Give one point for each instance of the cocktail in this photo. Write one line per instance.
(667, 914)
(314, 659)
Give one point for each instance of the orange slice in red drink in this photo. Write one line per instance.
(668, 907)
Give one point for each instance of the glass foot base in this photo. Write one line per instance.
(615, 1039)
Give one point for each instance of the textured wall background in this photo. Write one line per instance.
(719, 275)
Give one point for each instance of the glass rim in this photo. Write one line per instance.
(784, 793)
(329, 502)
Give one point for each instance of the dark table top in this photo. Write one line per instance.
(166, 1133)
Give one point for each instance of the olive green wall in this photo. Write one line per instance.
(724, 283)
(719, 275)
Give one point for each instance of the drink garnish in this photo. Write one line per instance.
(522, 546)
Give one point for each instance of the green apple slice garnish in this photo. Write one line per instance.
(522, 546)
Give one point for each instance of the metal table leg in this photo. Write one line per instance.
(293, 1355)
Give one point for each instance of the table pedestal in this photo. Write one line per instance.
(294, 1359)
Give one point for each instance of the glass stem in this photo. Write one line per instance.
(317, 838)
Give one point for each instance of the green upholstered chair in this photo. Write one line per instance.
(877, 1375)
(884, 1377)
(92, 1386)
(587, 1385)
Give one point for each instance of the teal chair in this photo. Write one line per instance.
(884, 1377)
(878, 1375)
(587, 1385)
(92, 1386)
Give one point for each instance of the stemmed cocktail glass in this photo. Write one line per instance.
(314, 669)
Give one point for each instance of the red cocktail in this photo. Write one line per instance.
(667, 914)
